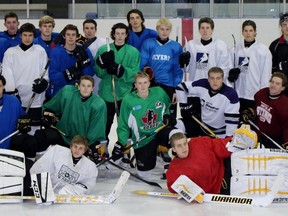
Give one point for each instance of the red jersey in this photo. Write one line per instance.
(203, 165)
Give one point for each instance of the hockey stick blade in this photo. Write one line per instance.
(135, 175)
(153, 193)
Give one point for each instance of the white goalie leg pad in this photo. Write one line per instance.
(11, 186)
(255, 186)
(12, 163)
(260, 162)
(187, 189)
(42, 188)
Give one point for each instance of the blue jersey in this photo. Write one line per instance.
(4, 45)
(14, 40)
(163, 59)
(60, 61)
(9, 114)
(137, 41)
(42, 43)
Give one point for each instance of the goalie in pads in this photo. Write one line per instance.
(201, 158)
(71, 172)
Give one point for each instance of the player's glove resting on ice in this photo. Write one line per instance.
(184, 59)
(105, 59)
(115, 69)
(24, 124)
(169, 120)
(248, 114)
(243, 138)
(118, 150)
(72, 73)
(39, 85)
(77, 189)
(233, 74)
(48, 119)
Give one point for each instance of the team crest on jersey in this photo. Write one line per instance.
(68, 175)
(244, 63)
(158, 104)
(202, 60)
(264, 113)
(150, 119)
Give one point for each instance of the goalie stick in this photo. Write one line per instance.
(85, 199)
(227, 199)
(29, 103)
(134, 144)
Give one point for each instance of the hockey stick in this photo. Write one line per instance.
(264, 134)
(187, 77)
(227, 199)
(29, 103)
(85, 199)
(113, 84)
(234, 57)
(134, 144)
(205, 127)
(135, 175)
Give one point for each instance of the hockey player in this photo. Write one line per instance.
(219, 104)
(47, 36)
(142, 112)
(12, 33)
(162, 54)
(90, 30)
(279, 47)
(207, 52)
(69, 62)
(270, 113)
(117, 69)
(12, 116)
(252, 69)
(71, 172)
(138, 33)
(201, 158)
(22, 69)
(73, 110)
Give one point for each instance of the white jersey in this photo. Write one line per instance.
(21, 68)
(214, 54)
(255, 63)
(219, 111)
(59, 163)
(94, 48)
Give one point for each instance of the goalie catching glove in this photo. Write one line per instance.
(243, 138)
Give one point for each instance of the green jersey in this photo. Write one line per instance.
(85, 117)
(129, 58)
(142, 115)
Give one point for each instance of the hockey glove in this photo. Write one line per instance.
(169, 120)
(77, 189)
(186, 110)
(115, 69)
(105, 59)
(118, 150)
(83, 59)
(24, 124)
(72, 73)
(248, 114)
(243, 138)
(48, 119)
(184, 59)
(283, 66)
(234, 74)
(39, 85)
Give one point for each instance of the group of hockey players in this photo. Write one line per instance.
(64, 89)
